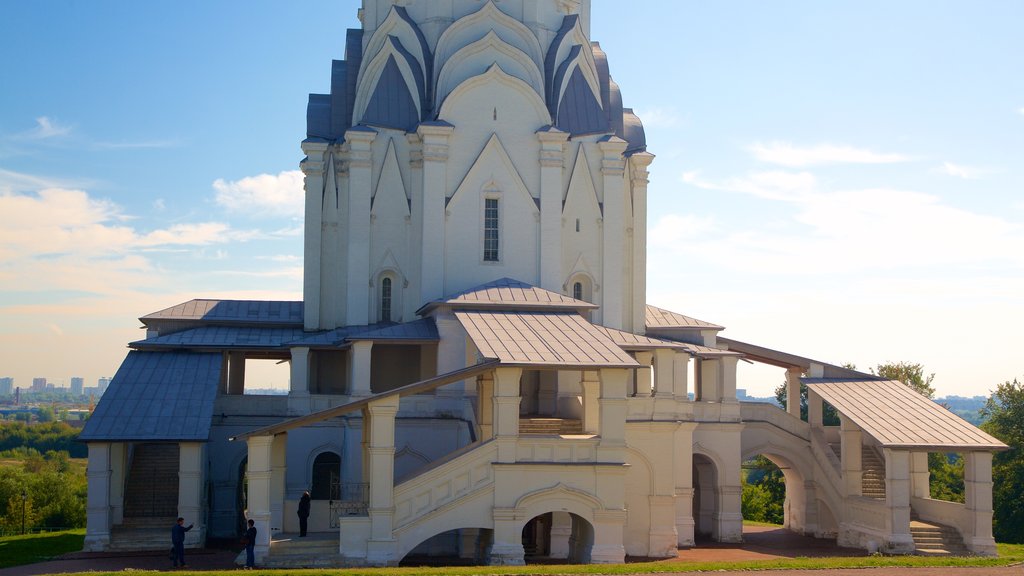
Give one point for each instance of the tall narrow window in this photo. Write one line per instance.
(577, 290)
(385, 299)
(490, 230)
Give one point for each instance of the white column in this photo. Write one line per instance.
(360, 188)
(850, 453)
(683, 453)
(978, 493)
(434, 136)
(191, 465)
(681, 376)
(313, 169)
(551, 156)
(614, 232)
(815, 409)
(609, 526)
(708, 380)
(638, 173)
(897, 500)
(97, 512)
(118, 473)
(591, 410)
(612, 408)
(236, 373)
(920, 475)
(485, 397)
(561, 530)
(728, 378)
(793, 390)
(664, 372)
(259, 492)
(359, 368)
(506, 412)
(380, 549)
(507, 545)
(411, 297)
(278, 472)
(298, 393)
(644, 380)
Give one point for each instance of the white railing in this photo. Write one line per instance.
(558, 450)
(444, 482)
(771, 414)
(942, 512)
(867, 513)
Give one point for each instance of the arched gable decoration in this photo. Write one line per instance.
(387, 86)
(482, 175)
(475, 58)
(578, 110)
(390, 193)
(495, 74)
(399, 24)
(558, 497)
(581, 194)
(467, 29)
(569, 37)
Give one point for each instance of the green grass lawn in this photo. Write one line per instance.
(18, 550)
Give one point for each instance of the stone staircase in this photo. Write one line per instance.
(932, 539)
(316, 550)
(539, 426)
(152, 487)
(142, 534)
(873, 474)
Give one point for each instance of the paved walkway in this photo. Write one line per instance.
(760, 543)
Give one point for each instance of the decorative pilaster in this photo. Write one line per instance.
(190, 490)
(258, 500)
(380, 549)
(978, 492)
(591, 409)
(118, 472)
(614, 262)
(683, 454)
(850, 454)
(612, 407)
(298, 393)
(359, 141)
(919, 475)
(485, 409)
(897, 501)
(359, 368)
(313, 170)
(552, 141)
(644, 382)
(97, 512)
(278, 471)
(638, 173)
(434, 136)
(506, 412)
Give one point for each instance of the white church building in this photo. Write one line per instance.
(475, 370)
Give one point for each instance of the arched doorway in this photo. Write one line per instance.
(705, 497)
(557, 536)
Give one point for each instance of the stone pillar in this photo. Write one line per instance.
(278, 473)
(612, 409)
(485, 409)
(359, 141)
(613, 291)
(683, 454)
(591, 410)
(810, 521)
(97, 512)
(664, 372)
(451, 355)
(313, 170)
(920, 475)
(380, 549)
(561, 531)
(978, 495)
(547, 393)
(897, 500)
(643, 379)
(434, 136)
(191, 465)
(506, 413)
(359, 368)
(118, 474)
(793, 390)
(568, 396)
(850, 453)
(236, 373)
(815, 409)
(552, 141)
(507, 547)
(638, 163)
(414, 274)
(298, 392)
(728, 378)
(259, 493)
(609, 526)
(681, 376)
(708, 377)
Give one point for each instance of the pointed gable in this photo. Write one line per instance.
(494, 167)
(508, 294)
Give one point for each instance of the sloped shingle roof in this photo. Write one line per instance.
(660, 318)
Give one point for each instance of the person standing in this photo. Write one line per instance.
(178, 542)
(250, 546)
(303, 513)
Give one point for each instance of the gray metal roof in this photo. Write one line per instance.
(225, 337)
(157, 396)
(511, 294)
(391, 104)
(417, 330)
(898, 417)
(231, 312)
(660, 318)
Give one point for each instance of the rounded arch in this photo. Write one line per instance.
(311, 460)
(496, 75)
(387, 299)
(372, 72)
(400, 25)
(475, 58)
(581, 286)
(561, 498)
(467, 29)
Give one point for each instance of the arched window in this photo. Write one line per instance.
(385, 299)
(491, 230)
(582, 287)
(326, 477)
(577, 290)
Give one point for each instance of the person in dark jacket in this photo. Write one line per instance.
(303, 513)
(250, 546)
(178, 542)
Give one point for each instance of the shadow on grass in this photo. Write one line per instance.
(31, 548)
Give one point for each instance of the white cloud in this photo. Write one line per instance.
(1021, 111)
(264, 195)
(11, 182)
(786, 154)
(673, 229)
(659, 117)
(960, 171)
(47, 127)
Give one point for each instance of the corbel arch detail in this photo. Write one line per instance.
(475, 58)
(392, 51)
(496, 74)
(466, 29)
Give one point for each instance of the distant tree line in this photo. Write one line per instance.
(42, 437)
(45, 491)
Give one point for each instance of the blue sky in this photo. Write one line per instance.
(840, 180)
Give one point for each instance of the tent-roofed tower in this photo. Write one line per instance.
(467, 141)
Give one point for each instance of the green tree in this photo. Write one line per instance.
(764, 491)
(829, 416)
(45, 414)
(911, 374)
(1005, 420)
